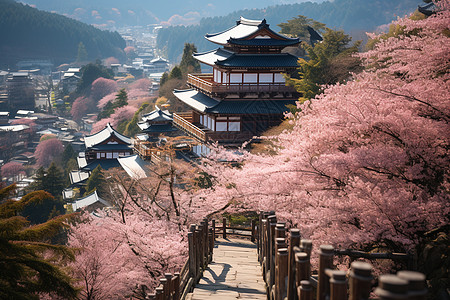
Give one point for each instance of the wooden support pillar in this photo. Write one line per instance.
(391, 287)
(417, 286)
(360, 280)
(192, 251)
(205, 241)
(306, 246)
(253, 224)
(164, 284)
(224, 227)
(198, 254)
(338, 285)
(326, 253)
(293, 242)
(176, 286)
(211, 244)
(302, 266)
(169, 285)
(213, 225)
(271, 244)
(159, 291)
(282, 273)
(263, 245)
(305, 290)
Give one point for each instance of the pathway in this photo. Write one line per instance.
(234, 273)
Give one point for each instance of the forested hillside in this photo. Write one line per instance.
(27, 33)
(353, 16)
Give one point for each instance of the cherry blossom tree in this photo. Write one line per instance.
(12, 169)
(47, 151)
(25, 121)
(102, 87)
(142, 238)
(366, 163)
(111, 60)
(79, 108)
(108, 98)
(141, 84)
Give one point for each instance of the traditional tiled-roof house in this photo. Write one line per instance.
(246, 93)
(103, 148)
(156, 123)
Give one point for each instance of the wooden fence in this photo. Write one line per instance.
(287, 271)
(177, 286)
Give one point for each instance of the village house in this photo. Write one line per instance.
(103, 148)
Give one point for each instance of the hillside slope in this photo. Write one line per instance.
(28, 33)
(354, 16)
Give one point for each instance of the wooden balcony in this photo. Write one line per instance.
(184, 122)
(205, 83)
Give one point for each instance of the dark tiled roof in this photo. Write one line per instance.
(264, 42)
(159, 128)
(104, 163)
(282, 60)
(195, 99)
(251, 107)
(112, 147)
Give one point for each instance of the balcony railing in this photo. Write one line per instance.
(206, 83)
(182, 122)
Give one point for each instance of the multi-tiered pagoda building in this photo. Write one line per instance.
(246, 92)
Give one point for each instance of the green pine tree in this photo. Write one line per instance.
(188, 63)
(176, 73)
(25, 273)
(131, 127)
(82, 54)
(328, 62)
(96, 182)
(121, 99)
(164, 79)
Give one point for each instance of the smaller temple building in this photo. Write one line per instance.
(104, 148)
(156, 123)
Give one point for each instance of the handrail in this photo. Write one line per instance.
(287, 270)
(187, 126)
(199, 81)
(178, 285)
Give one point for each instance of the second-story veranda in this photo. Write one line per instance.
(238, 75)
